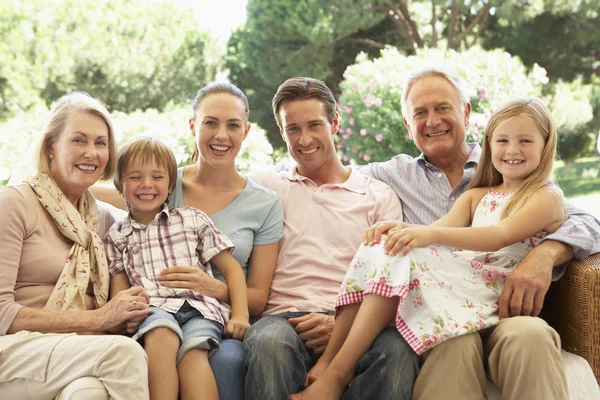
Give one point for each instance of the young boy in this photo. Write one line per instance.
(185, 326)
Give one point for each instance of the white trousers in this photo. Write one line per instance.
(44, 366)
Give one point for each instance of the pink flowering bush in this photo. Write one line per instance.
(371, 126)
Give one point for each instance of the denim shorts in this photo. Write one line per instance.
(194, 331)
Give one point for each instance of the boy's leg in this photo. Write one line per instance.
(200, 340)
(161, 337)
(196, 379)
(276, 359)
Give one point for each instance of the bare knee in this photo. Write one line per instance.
(161, 337)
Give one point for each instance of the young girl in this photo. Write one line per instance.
(185, 326)
(436, 293)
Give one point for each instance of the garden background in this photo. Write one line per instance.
(146, 59)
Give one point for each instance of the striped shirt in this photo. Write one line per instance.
(176, 237)
(426, 196)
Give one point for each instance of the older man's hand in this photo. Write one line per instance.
(527, 285)
(314, 330)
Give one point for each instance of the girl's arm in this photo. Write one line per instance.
(236, 283)
(543, 211)
(459, 216)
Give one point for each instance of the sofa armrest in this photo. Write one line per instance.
(576, 297)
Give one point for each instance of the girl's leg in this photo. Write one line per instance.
(374, 315)
(196, 378)
(343, 323)
(161, 346)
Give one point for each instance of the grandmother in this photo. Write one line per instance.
(54, 313)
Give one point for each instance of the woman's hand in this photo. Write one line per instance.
(236, 328)
(190, 278)
(128, 306)
(409, 238)
(373, 234)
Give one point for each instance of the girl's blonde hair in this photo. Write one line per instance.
(59, 114)
(486, 174)
(146, 150)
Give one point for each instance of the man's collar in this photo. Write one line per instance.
(472, 160)
(356, 182)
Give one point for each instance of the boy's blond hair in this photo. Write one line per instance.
(145, 150)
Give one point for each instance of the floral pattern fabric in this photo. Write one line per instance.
(83, 282)
(443, 292)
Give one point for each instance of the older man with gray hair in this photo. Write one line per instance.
(522, 353)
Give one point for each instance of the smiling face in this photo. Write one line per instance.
(79, 154)
(435, 117)
(145, 188)
(516, 148)
(308, 134)
(219, 127)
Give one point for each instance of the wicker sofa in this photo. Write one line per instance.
(572, 307)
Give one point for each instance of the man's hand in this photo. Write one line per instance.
(315, 330)
(527, 285)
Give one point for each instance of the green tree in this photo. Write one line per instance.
(128, 53)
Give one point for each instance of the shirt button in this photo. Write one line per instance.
(452, 198)
(439, 175)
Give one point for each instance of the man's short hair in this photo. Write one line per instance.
(433, 70)
(145, 150)
(300, 88)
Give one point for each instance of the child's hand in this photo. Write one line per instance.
(408, 239)
(373, 234)
(236, 328)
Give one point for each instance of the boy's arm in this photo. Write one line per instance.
(236, 284)
(118, 283)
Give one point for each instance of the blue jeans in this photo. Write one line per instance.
(228, 366)
(277, 362)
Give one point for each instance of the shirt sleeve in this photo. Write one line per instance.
(272, 229)
(12, 235)
(211, 241)
(580, 231)
(114, 245)
(389, 206)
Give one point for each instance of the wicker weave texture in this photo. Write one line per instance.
(579, 299)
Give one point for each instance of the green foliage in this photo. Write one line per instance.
(575, 145)
(128, 53)
(372, 128)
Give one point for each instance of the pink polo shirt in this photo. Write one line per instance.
(322, 230)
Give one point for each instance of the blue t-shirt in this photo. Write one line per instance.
(253, 218)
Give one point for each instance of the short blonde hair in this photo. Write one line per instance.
(145, 150)
(486, 174)
(60, 112)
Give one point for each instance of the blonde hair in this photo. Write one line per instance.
(486, 174)
(145, 150)
(60, 112)
(439, 71)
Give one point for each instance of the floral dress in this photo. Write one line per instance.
(443, 292)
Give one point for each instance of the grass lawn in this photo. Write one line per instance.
(580, 178)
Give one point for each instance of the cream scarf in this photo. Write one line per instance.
(86, 262)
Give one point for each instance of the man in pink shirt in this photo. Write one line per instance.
(327, 206)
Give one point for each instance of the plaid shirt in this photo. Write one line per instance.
(177, 237)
